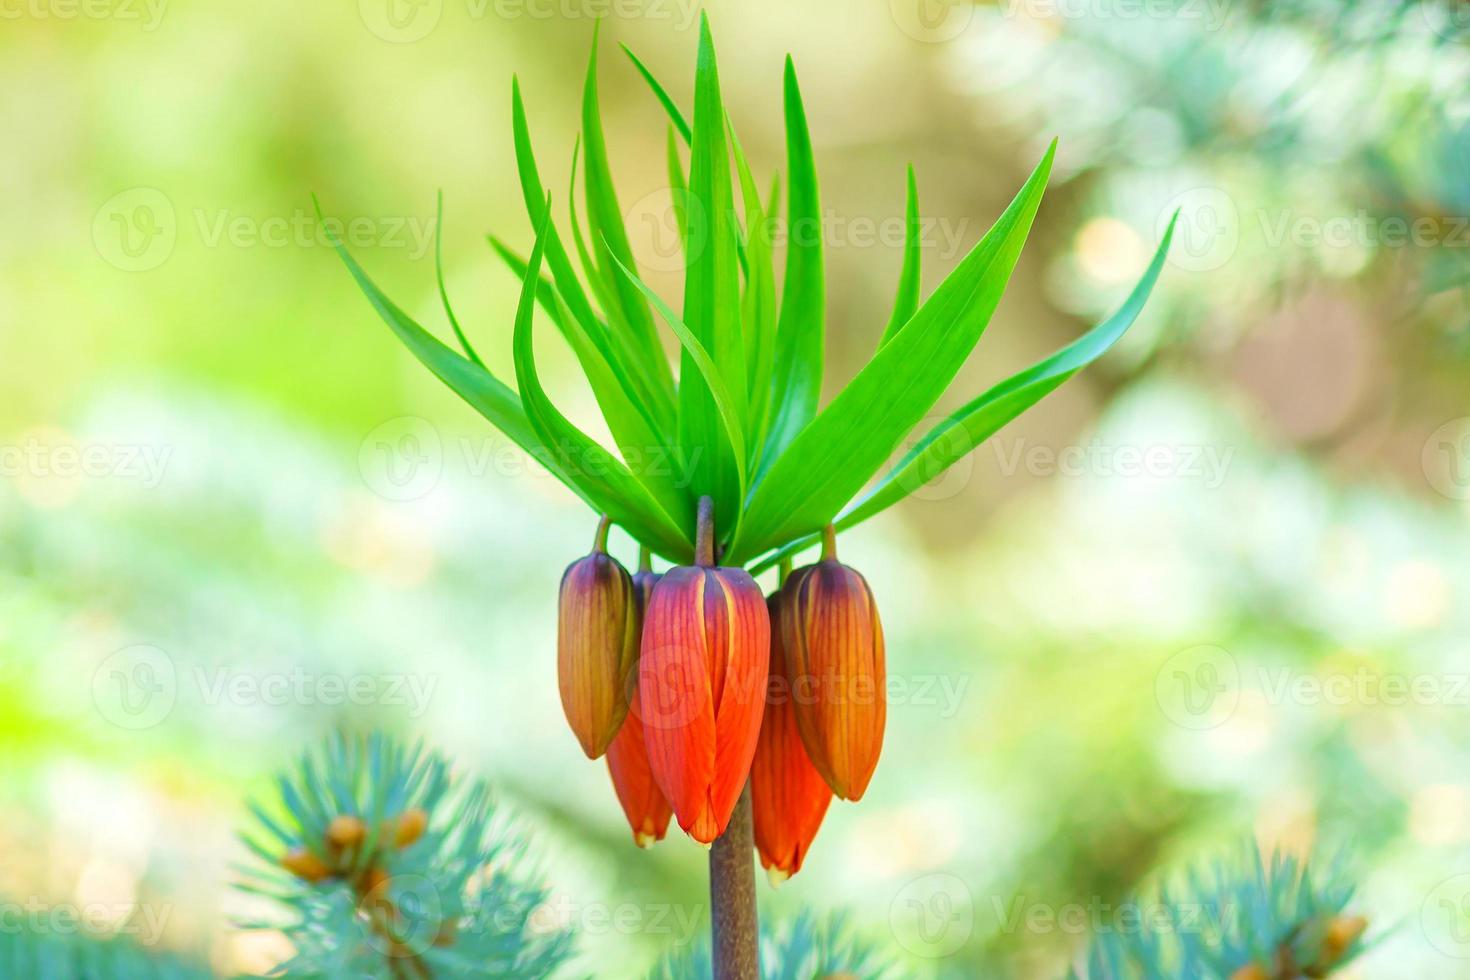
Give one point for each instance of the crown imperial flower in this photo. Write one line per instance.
(788, 795)
(596, 645)
(831, 632)
(702, 679)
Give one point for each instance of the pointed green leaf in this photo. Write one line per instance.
(610, 238)
(958, 435)
(758, 305)
(725, 404)
(675, 116)
(711, 296)
(604, 479)
(907, 301)
(483, 392)
(617, 348)
(464, 341)
(797, 381)
(845, 445)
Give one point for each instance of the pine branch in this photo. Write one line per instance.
(1251, 918)
(391, 867)
(74, 954)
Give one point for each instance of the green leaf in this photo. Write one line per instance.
(678, 188)
(610, 238)
(633, 371)
(644, 449)
(464, 341)
(843, 446)
(675, 116)
(708, 370)
(711, 296)
(907, 301)
(958, 435)
(611, 487)
(797, 379)
(484, 392)
(758, 305)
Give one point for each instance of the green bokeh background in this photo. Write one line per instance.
(1211, 590)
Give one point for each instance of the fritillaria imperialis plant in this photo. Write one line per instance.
(762, 471)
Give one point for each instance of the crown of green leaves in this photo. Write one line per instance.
(742, 415)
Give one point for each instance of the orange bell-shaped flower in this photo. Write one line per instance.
(834, 643)
(702, 684)
(627, 757)
(788, 795)
(596, 645)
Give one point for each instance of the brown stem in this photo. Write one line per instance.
(704, 534)
(733, 925)
(829, 543)
(599, 544)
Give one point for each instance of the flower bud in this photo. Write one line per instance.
(345, 831)
(702, 679)
(788, 795)
(833, 640)
(642, 801)
(596, 645)
(627, 757)
(306, 866)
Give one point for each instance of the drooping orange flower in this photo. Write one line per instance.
(627, 757)
(788, 795)
(834, 641)
(702, 680)
(596, 645)
(642, 801)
